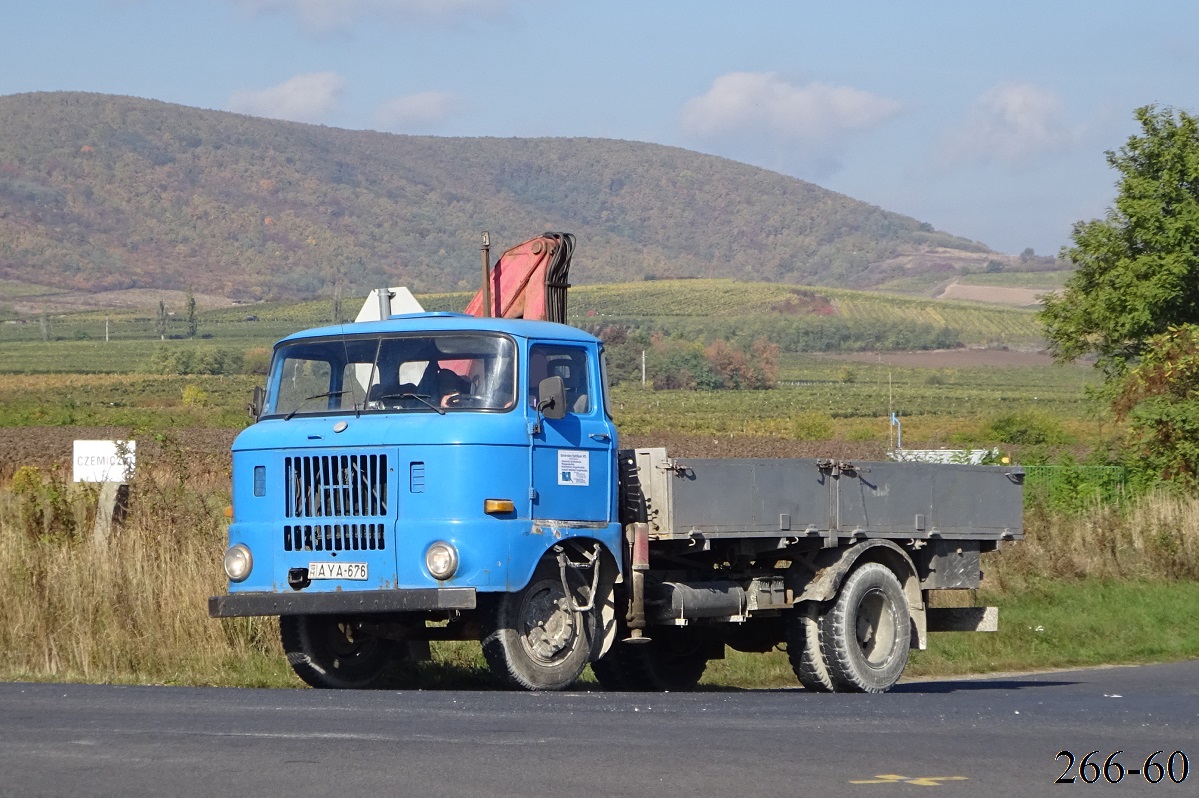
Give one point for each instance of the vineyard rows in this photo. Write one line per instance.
(975, 325)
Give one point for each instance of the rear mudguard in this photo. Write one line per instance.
(819, 579)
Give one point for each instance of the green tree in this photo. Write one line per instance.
(192, 323)
(160, 321)
(1137, 268)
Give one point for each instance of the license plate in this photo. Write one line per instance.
(337, 570)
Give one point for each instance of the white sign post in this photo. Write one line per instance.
(103, 461)
(111, 464)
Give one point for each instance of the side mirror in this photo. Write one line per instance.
(255, 406)
(551, 401)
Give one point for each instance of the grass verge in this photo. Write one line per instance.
(1076, 623)
(1113, 586)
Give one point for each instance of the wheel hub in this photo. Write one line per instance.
(875, 627)
(342, 639)
(548, 624)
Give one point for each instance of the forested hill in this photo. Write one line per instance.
(105, 192)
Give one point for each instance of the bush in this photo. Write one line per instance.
(677, 364)
(1027, 427)
(183, 362)
(195, 396)
(1160, 400)
(44, 504)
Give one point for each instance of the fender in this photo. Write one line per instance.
(820, 579)
(609, 575)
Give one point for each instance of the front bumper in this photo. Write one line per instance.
(240, 605)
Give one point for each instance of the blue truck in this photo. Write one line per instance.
(443, 476)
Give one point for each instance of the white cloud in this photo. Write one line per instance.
(763, 116)
(416, 113)
(1013, 124)
(305, 98)
(327, 15)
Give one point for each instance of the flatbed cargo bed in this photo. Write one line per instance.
(688, 498)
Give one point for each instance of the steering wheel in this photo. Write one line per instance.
(462, 400)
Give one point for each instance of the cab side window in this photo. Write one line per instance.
(567, 362)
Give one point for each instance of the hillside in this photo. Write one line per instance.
(100, 192)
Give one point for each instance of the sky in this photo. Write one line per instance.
(987, 120)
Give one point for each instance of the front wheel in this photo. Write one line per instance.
(538, 640)
(866, 635)
(330, 651)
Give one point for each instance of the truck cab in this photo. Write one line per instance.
(427, 466)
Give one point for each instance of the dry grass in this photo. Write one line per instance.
(1153, 538)
(131, 610)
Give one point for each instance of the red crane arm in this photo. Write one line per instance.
(529, 281)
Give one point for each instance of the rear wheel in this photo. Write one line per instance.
(330, 651)
(866, 635)
(670, 661)
(538, 641)
(803, 649)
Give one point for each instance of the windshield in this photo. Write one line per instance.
(428, 372)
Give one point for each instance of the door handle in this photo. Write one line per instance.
(599, 436)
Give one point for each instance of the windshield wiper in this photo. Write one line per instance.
(308, 399)
(419, 397)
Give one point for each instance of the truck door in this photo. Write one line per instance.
(572, 456)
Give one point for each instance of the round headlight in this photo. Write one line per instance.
(442, 560)
(238, 562)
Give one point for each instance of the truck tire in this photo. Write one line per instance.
(669, 662)
(803, 649)
(630, 495)
(865, 636)
(537, 641)
(327, 651)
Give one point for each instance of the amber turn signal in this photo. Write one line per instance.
(228, 510)
(498, 506)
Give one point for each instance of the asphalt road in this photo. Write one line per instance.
(987, 737)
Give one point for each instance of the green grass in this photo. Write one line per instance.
(137, 401)
(926, 285)
(670, 303)
(953, 399)
(13, 289)
(1062, 624)
(95, 356)
(1044, 280)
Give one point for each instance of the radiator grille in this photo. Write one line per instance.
(333, 486)
(333, 537)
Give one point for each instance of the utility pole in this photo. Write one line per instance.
(485, 253)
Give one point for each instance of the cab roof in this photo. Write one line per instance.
(448, 322)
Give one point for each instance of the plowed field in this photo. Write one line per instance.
(49, 448)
